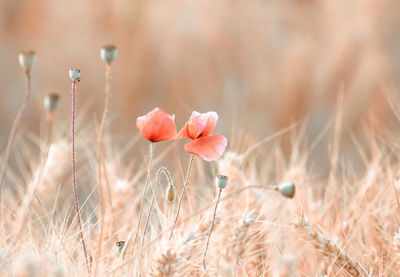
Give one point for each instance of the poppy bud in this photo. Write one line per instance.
(287, 189)
(108, 53)
(222, 181)
(75, 74)
(51, 101)
(171, 193)
(27, 59)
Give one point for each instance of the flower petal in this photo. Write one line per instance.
(211, 118)
(208, 148)
(194, 127)
(196, 124)
(184, 132)
(157, 125)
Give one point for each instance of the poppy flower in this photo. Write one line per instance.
(157, 125)
(198, 128)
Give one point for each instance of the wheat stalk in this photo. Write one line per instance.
(329, 248)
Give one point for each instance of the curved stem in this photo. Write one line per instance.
(182, 194)
(199, 211)
(100, 155)
(142, 201)
(11, 140)
(161, 170)
(211, 229)
(74, 175)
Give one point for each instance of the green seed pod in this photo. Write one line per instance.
(287, 189)
(221, 181)
(75, 74)
(51, 102)
(108, 53)
(27, 59)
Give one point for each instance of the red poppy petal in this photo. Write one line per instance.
(183, 133)
(157, 125)
(207, 148)
(211, 118)
(167, 130)
(139, 122)
(196, 124)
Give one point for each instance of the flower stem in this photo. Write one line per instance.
(74, 175)
(199, 211)
(144, 194)
(191, 160)
(161, 170)
(211, 229)
(100, 154)
(11, 140)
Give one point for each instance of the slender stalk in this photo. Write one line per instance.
(211, 229)
(99, 163)
(199, 211)
(74, 174)
(161, 170)
(11, 140)
(143, 196)
(191, 160)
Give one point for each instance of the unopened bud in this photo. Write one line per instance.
(27, 59)
(171, 193)
(75, 74)
(108, 53)
(287, 189)
(222, 181)
(51, 101)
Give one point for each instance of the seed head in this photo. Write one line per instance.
(27, 59)
(75, 74)
(108, 53)
(287, 189)
(51, 101)
(171, 193)
(222, 181)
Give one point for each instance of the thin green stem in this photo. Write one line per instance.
(211, 229)
(191, 160)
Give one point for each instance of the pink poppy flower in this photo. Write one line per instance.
(157, 125)
(198, 128)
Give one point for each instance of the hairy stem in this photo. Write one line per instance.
(161, 170)
(11, 140)
(143, 196)
(191, 160)
(199, 211)
(211, 229)
(74, 175)
(100, 154)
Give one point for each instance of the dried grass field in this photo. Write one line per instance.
(199, 138)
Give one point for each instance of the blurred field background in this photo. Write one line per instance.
(332, 66)
(260, 64)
